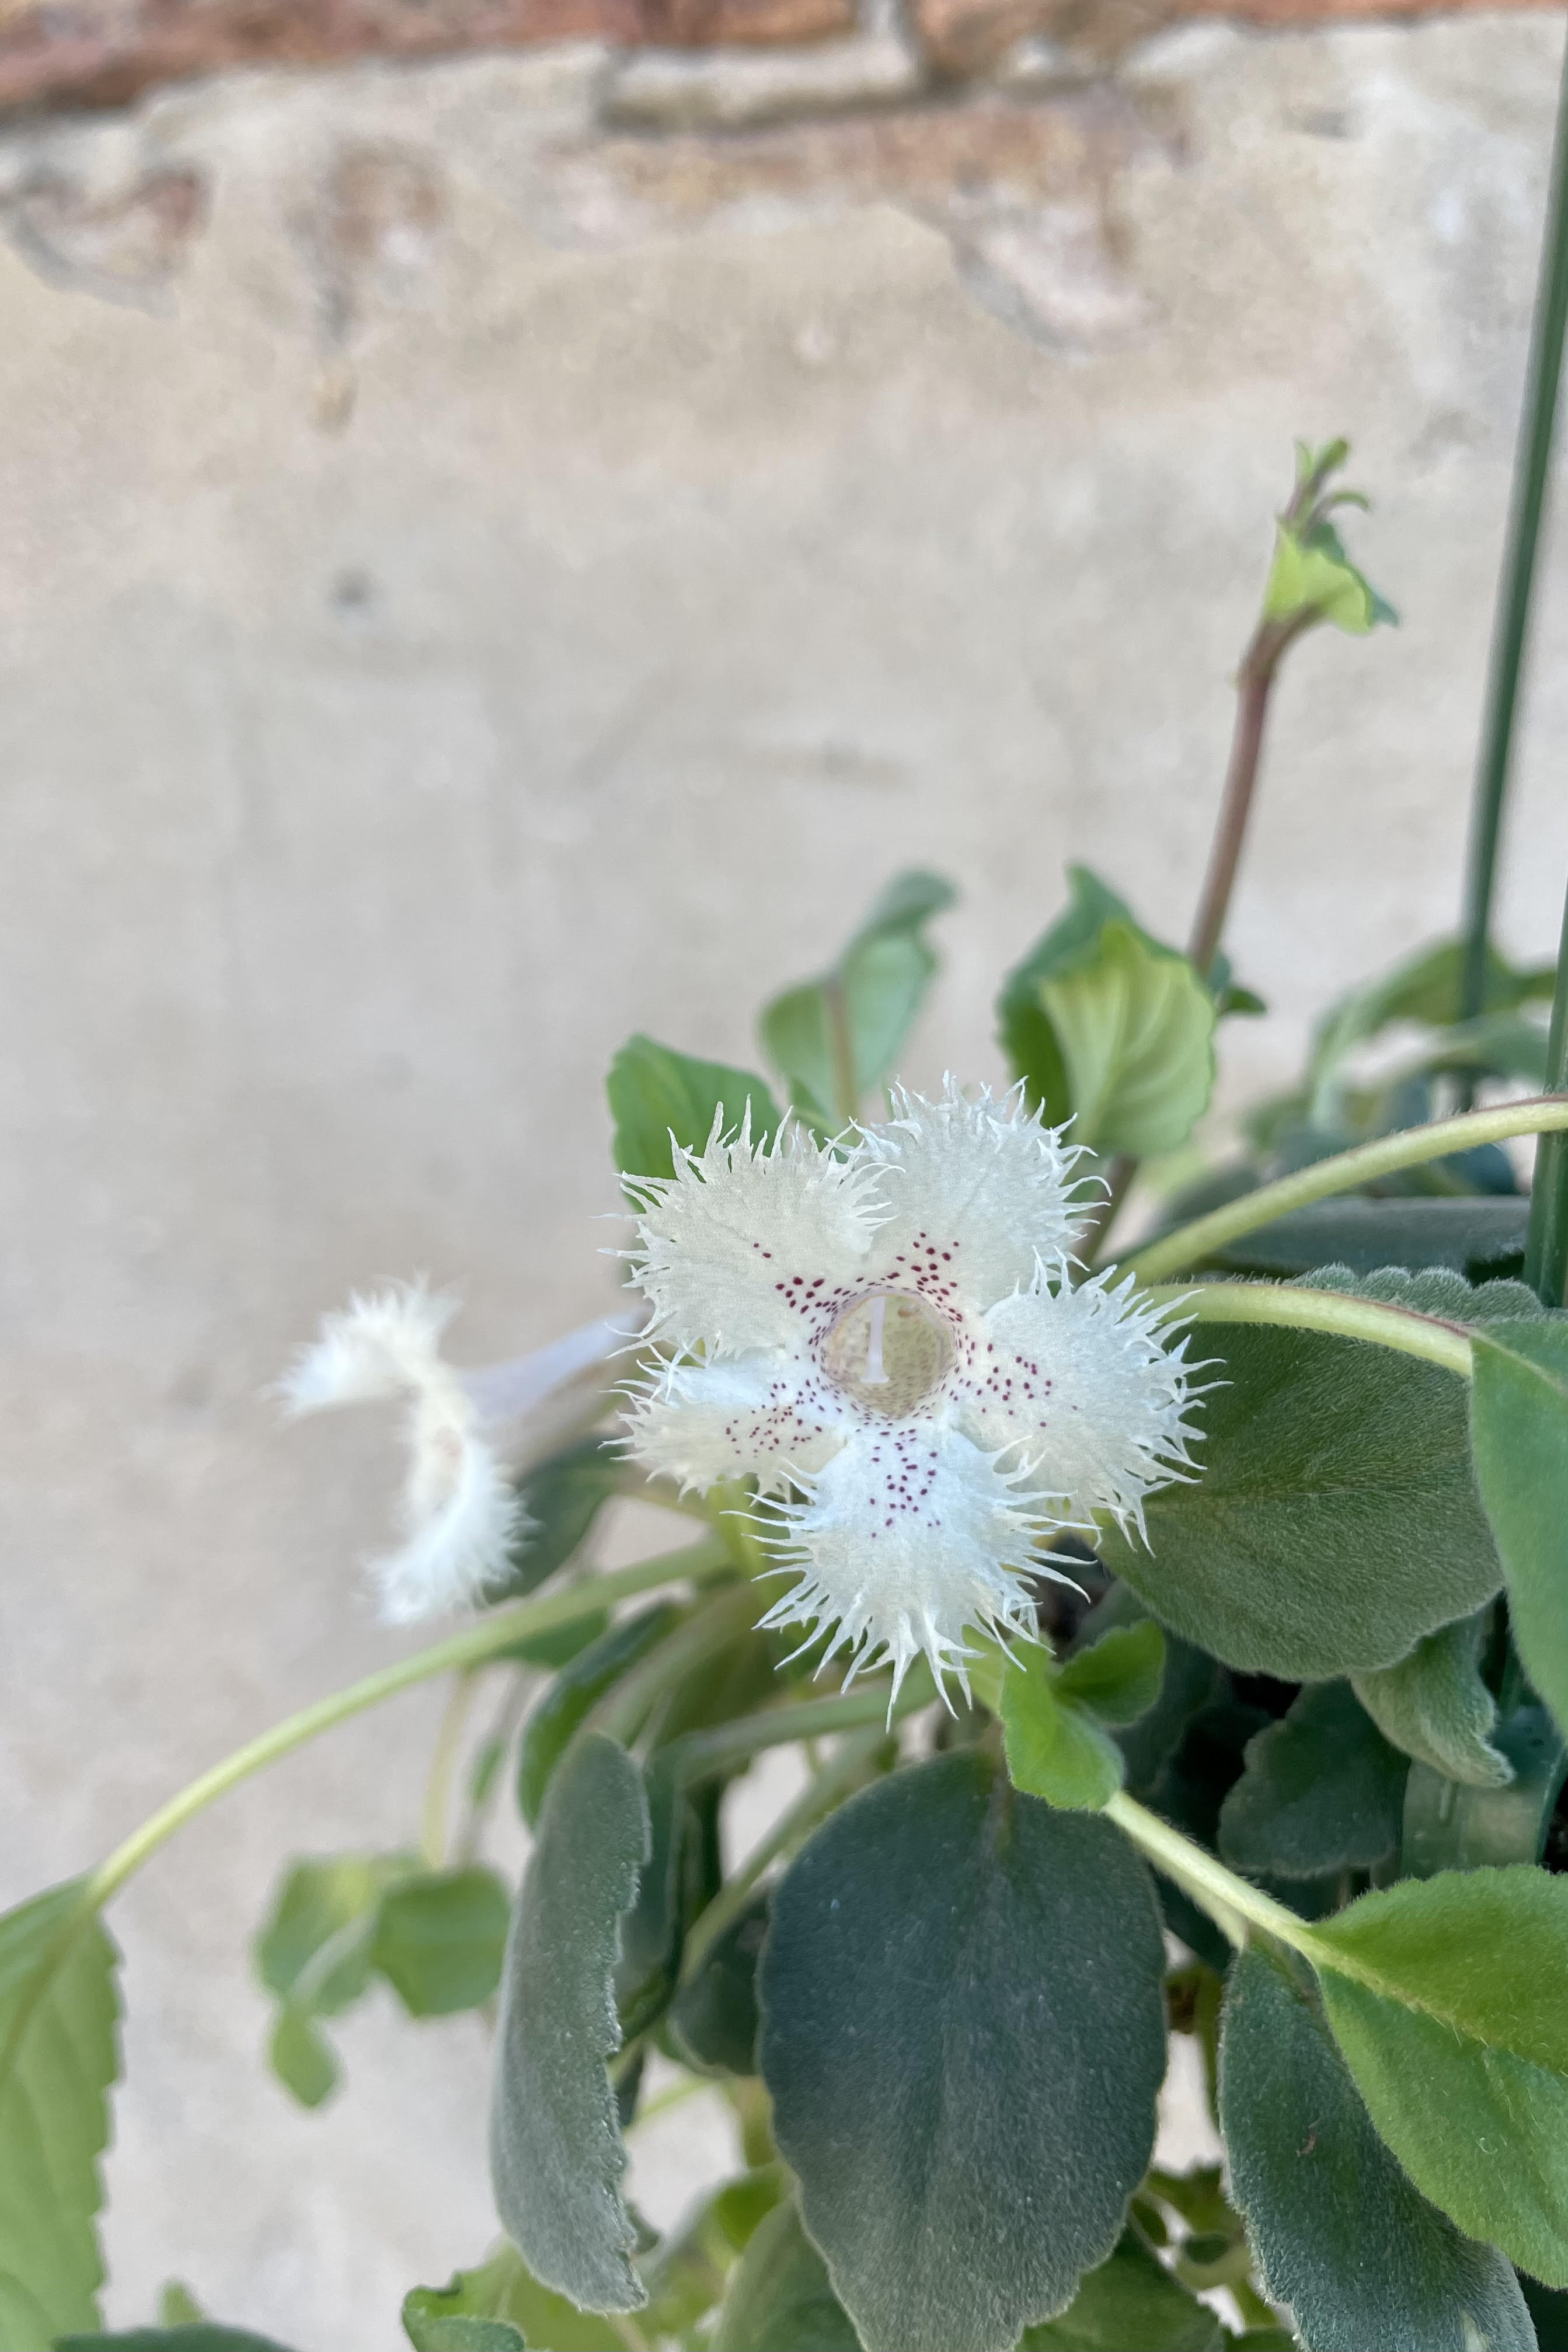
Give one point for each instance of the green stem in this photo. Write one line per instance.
(443, 1765)
(1348, 1317)
(1546, 1244)
(1231, 1903)
(492, 1637)
(817, 1798)
(1540, 1115)
(1531, 469)
(841, 1041)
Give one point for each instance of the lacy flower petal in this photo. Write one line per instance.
(908, 1537)
(734, 1249)
(766, 1416)
(1078, 1388)
(976, 1191)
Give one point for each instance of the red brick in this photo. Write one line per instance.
(964, 37)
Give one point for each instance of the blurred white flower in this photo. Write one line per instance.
(889, 1338)
(460, 1512)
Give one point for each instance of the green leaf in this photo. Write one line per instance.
(1119, 1675)
(1312, 574)
(1336, 1520)
(679, 1874)
(315, 1948)
(575, 1691)
(499, 2307)
(1131, 2303)
(1458, 1828)
(562, 1497)
(1476, 1236)
(556, 2158)
(1339, 2233)
(204, 2336)
(439, 1939)
(963, 2035)
(656, 1092)
(1108, 1028)
(690, 2272)
(713, 2020)
(1520, 1432)
(1055, 1750)
(1445, 1995)
(1435, 1706)
(875, 989)
(301, 2057)
(781, 2298)
(59, 2055)
(1322, 1791)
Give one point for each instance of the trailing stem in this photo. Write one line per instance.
(1531, 470)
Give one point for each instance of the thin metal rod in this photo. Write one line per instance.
(1531, 470)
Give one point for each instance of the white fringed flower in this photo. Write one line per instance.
(460, 1513)
(890, 1342)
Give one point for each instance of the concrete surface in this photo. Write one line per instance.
(472, 586)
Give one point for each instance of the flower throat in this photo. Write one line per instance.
(888, 1352)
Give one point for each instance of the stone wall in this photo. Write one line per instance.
(503, 550)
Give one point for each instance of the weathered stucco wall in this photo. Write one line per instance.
(478, 576)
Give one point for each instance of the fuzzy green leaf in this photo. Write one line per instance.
(1336, 1520)
(656, 1092)
(878, 985)
(1435, 1706)
(439, 1938)
(500, 2308)
(556, 2157)
(59, 2056)
(1119, 1675)
(713, 2021)
(1340, 2234)
(1445, 1995)
(963, 2035)
(1055, 1750)
(1322, 1791)
(781, 2298)
(1476, 1237)
(1520, 1430)
(1131, 2303)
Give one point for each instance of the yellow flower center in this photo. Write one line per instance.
(888, 1352)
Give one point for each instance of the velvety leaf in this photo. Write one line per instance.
(781, 2298)
(713, 2021)
(1520, 1430)
(1475, 1237)
(690, 2272)
(203, 2336)
(439, 1939)
(1445, 1995)
(656, 1092)
(876, 988)
(59, 2055)
(681, 1871)
(1119, 1675)
(1435, 1706)
(1055, 1750)
(575, 1691)
(556, 2158)
(1458, 1828)
(963, 2035)
(1131, 2303)
(562, 1497)
(1339, 2232)
(1322, 1791)
(502, 2297)
(1336, 1519)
